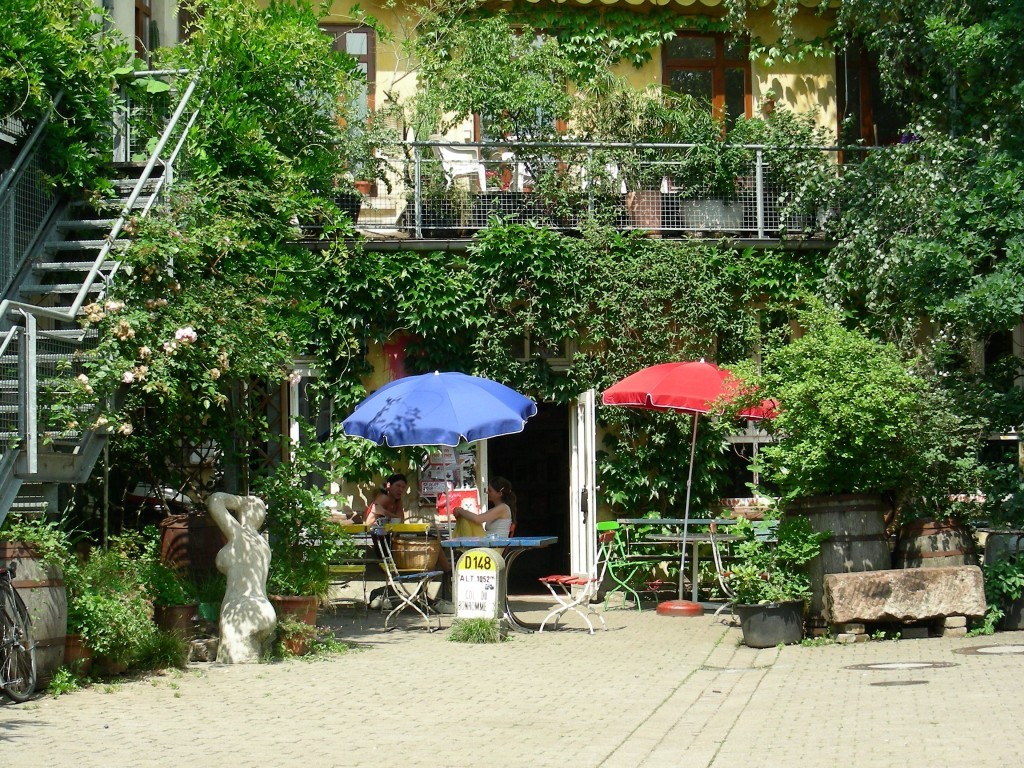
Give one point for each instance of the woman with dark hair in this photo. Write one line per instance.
(387, 505)
(500, 516)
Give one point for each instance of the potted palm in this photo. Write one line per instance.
(770, 582)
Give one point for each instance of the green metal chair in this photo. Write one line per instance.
(630, 570)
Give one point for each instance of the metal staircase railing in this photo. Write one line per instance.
(25, 204)
(24, 338)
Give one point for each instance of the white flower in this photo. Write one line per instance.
(102, 421)
(215, 373)
(145, 352)
(82, 378)
(295, 378)
(170, 346)
(186, 335)
(114, 306)
(127, 377)
(125, 429)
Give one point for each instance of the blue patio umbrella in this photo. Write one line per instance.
(439, 409)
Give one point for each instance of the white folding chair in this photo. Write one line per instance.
(586, 587)
(461, 162)
(410, 588)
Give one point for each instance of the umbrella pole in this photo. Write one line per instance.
(683, 607)
(686, 509)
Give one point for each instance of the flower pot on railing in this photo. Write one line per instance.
(709, 215)
(644, 208)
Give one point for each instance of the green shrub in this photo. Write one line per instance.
(476, 631)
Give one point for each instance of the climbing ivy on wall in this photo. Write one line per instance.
(599, 38)
(626, 301)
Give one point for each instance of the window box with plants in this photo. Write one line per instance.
(769, 581)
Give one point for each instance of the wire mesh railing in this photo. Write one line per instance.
(438, 190)
(26, 202)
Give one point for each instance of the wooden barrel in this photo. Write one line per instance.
(41, 586)
(934, 544)
(190, 543)
(858, 541)
(1002, 545)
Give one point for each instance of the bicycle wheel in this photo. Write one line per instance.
(17, 649)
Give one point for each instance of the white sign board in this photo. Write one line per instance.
(480, 584)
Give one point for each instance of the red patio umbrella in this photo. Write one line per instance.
(691, 387)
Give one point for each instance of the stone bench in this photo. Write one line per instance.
(905, 596)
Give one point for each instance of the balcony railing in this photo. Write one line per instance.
(442, 190)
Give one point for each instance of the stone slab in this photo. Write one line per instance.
(905, 595)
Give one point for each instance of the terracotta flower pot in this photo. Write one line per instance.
(179, 619)
(77, 656)
(299, 607)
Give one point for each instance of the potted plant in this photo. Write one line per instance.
(175, 603)
(515, 84)
(442, 206)
(770, 582)
(304, 542)
(108, 604)
(1004, 593)
(797, 176)
(859, 432)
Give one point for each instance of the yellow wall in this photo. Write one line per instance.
(806, 86)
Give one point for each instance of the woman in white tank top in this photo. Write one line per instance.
(501, 513)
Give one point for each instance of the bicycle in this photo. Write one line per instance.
(17, 649)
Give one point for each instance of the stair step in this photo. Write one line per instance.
(72, 266)
(72, 334)
(83, 245)
(68, 225)
(66, 289)
(8, 359)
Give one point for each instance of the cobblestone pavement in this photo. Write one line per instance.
(650, 691)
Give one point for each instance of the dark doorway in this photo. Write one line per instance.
(536, 462)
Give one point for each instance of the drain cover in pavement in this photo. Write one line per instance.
(888, 666)
(991, 650)
(887, 683)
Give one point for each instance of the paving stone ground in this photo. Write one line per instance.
(650, 691)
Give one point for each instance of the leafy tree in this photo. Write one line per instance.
(214, 293)
(67, 47)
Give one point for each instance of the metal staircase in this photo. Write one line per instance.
(49, 274)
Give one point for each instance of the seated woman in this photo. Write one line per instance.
(386, 508)
(500, 516)
(387, 505)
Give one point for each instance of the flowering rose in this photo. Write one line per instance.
(127, 377)
(114, 306)
(124, 331)
(125, 429)
(170, 346)
(145, 352)
(186, 335)
(214, 373)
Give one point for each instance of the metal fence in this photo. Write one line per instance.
(441, 190)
